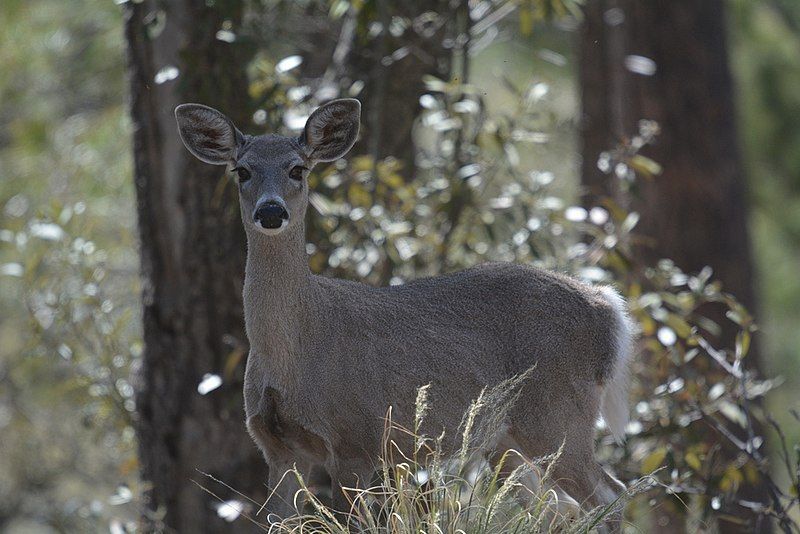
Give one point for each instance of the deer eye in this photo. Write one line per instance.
(243, 173)
(297, 173)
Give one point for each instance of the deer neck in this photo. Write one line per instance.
(278, 294)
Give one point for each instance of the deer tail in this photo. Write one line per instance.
(614, 402)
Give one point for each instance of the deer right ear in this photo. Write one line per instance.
(207, 133)
(332, 129)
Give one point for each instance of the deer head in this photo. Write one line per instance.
(271, 170)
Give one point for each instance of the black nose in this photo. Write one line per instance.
(271, 215)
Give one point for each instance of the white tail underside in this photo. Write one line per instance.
(614, 403)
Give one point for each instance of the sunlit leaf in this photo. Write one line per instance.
(321, 203)
(742, 343)
(166, 74)
(209, 383)
(47, 231)
(232, 362)
(434, 84)
(733, 412)
(644, 165)
(526, 21)
(654, 460)
(288, 63)
(679, 325)
(731, 479)
(630, 222)
(640, 65)
(693, 461)
(666, 336)
(230, 510)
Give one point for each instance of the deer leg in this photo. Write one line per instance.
(589, 484)
(566, 507)
(283, 486)
(615, 490)
(347, 474)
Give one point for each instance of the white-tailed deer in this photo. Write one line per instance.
(328, 357)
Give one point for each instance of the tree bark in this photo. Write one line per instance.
(192, 260)
(695, 212)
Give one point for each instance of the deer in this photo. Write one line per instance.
(329, 356)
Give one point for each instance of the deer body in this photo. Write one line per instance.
(328, 357)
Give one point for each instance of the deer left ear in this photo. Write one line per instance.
(332, 129)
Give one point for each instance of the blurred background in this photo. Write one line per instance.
(624, 142)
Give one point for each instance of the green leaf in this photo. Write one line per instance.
(732, 479)
(681, 327)
(526, 21)
(644, 165)
(742, 344)
(693, 461)
(654, 460)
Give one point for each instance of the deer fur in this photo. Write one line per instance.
(328, 356)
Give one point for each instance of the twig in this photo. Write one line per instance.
(775, 494)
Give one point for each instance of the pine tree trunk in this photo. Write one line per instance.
(193, 251)
(695, 212)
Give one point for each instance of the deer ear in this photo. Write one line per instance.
(332, 129)
(207, 133)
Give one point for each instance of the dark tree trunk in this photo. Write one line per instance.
(193, 252)
(695, 212)
(393, 69)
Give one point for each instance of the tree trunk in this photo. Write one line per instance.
(695, 212)
(392, 69)
(193, 252)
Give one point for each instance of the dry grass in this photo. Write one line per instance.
(426, 491)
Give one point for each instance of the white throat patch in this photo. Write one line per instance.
(272, 231)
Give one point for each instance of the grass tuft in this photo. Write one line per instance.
(428, 491)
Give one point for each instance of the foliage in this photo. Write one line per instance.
(69, 329)
(69, 391)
